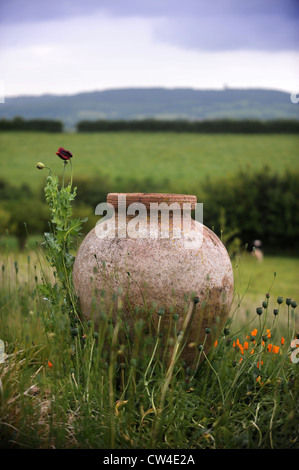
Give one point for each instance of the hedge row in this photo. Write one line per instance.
(41, 125)
(246, 126)
(252, 205)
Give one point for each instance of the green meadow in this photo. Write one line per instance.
(184, 160)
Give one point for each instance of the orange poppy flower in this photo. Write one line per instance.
(50, 364)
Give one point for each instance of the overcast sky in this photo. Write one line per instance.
(68, 46)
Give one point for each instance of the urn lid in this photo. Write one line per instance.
(125, 199)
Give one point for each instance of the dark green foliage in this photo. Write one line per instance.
(20, 124)
(27, 217)
(22, 212)
(261, 205)
(244, 126)
(251, 205)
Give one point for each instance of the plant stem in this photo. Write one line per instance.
(64, 165)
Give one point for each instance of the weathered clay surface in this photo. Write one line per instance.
(155, 273)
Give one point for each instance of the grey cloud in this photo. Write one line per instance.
(195, 24)
(227, 33)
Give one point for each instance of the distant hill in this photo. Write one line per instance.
(160, 103)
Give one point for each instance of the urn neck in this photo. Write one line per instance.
(175, 202)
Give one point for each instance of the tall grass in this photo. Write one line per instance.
(67, 385)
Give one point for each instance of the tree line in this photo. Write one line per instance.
(41, 125)
(242, 126)
(236, 126)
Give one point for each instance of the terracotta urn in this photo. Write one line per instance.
(152, 264)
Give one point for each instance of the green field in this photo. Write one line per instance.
(185, 160)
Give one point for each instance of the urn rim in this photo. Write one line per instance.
(149, 198)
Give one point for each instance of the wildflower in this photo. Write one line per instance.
(253, 335)
(275, 349)
(259, 364)
(270, 346)
(288, 301)
(64, 154)
(216, 342)
(259, 310)
(40, 165)
(275, 311)
(259, 380)
(282, 340)
(293, 304)
(279, 300)
(207, 331)
(50, 364)
(267, 295)
(265, 304)
(246, 345)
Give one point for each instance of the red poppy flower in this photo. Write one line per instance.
(64, 154)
